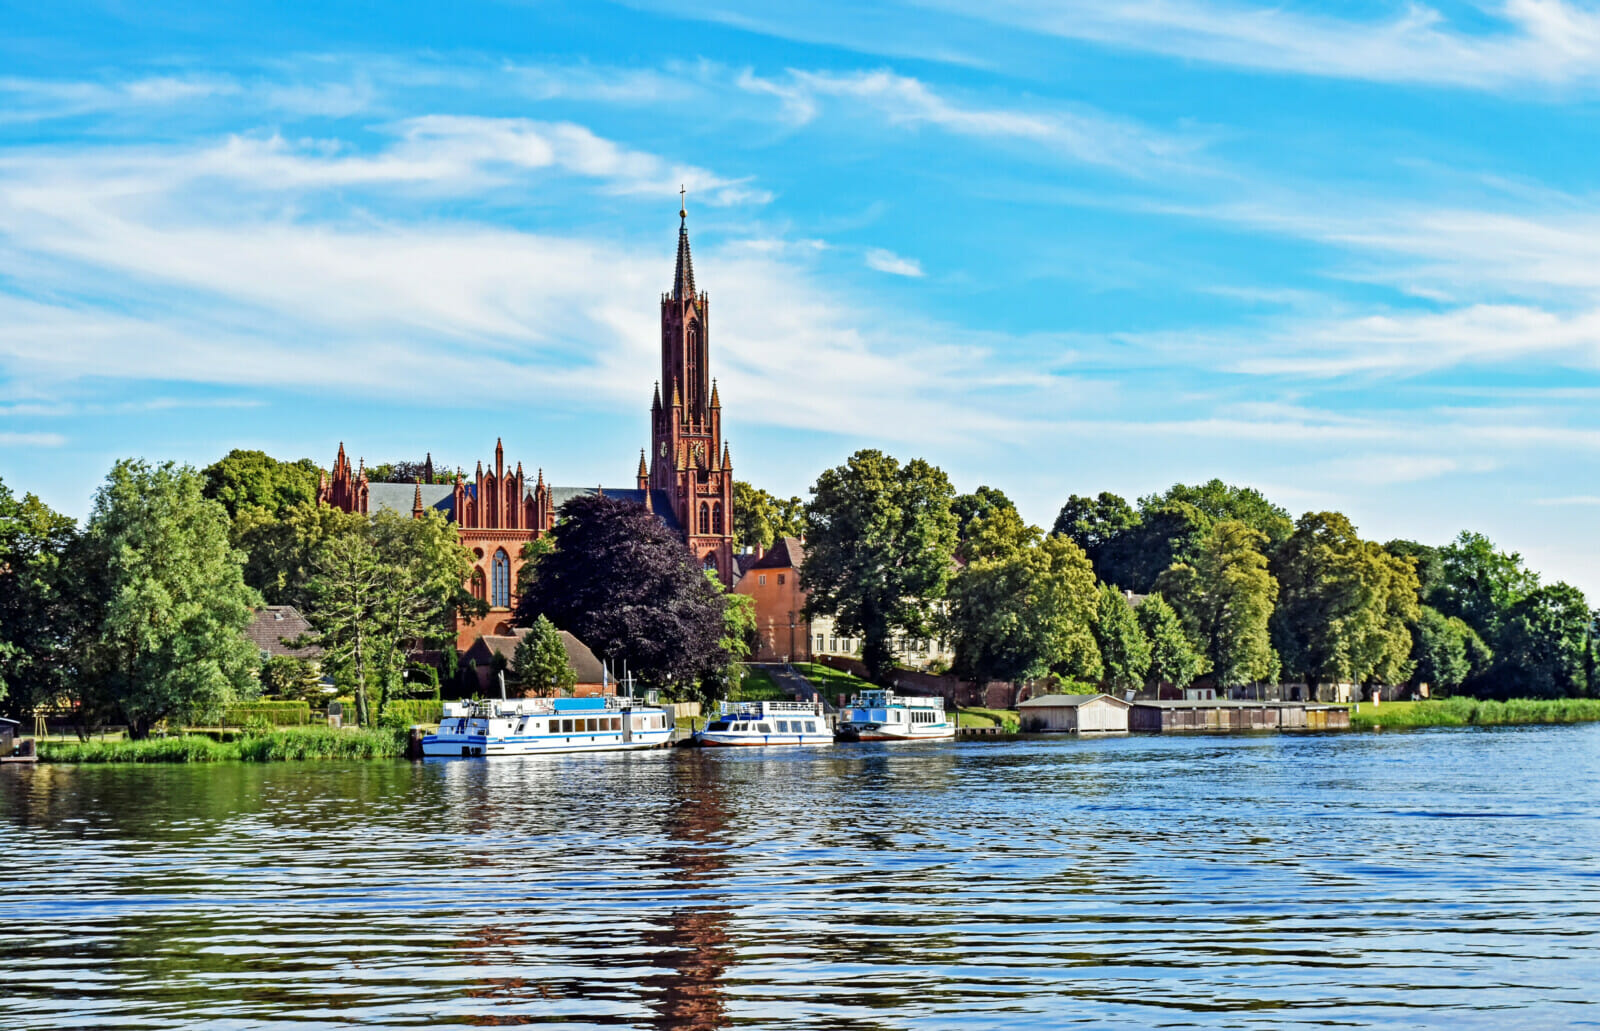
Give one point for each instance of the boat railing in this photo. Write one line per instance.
(768, 708)
(512, 707)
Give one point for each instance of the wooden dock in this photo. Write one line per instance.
(1221, 715)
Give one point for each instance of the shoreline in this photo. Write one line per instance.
(321, 743)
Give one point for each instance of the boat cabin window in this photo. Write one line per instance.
(566, 726)
(764, 728)
(783, 726)
(811, 726)
(719, 725)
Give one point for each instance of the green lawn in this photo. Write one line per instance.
(758, 686)
(1006, 719)
(1466, 712)
(831, 682)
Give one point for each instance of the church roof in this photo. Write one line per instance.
(660, 500)
(683, 278)
(402, 497)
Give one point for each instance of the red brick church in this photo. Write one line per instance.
(687, 481)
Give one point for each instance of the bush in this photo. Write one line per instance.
(186, 749)
(272, 746)
(284, 676)
(279, 714)
(403, 712)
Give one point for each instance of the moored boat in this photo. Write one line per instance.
(536, 726)
(766, 723)
(882, 715)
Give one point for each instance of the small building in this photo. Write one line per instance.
(1075, 714)
(273, 628)
(8, 736)
(493, 650)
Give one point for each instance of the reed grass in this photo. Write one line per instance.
(1472, 712)
(289, 743)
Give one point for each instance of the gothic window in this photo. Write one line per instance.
(711, 563)
(478, 590)
(705, 518)
(716, 517)
(501, 599)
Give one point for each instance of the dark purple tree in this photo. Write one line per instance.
(624, 585)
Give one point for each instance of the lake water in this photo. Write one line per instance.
(1445, 878)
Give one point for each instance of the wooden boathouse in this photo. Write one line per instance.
(1223, 715)
(1075, 714)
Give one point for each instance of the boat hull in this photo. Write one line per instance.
(758, 740)
(471, 746)
(852, 734)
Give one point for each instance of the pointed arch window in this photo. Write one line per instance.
(501, 597)
(479, 588)
(705, 518)
(716, 517)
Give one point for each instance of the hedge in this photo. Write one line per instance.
(406, 711)
(280, 714)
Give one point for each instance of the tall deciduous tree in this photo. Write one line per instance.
(1544, 645)
(1219, 501)
(760, 518)
(1225, 599)
(625, 585)
(540, 661)
(1096, 525)
(1173, 658)
(880, 550)
(169, 641)
(281, 551)
(1345, 605)
(42, 615)
(1026, 613)
(1445, 651)
(384, 587)
(254, 480)
(1124, 649)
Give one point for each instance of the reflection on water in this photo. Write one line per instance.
(1398, 880)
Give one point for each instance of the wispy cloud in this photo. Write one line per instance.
(1081, 134)
(25, 440)
(1529, 42)
(892, 263)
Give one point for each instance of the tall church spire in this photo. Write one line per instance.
(683, 279)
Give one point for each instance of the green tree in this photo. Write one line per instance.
(1345, 606)
(1426, 558)
(1173, 658)
(759, 518)
(540, 661)
(880, 550)
(1026, 613)
(391, 586)
(739, 638)
(1219, 501)
(1225, 600)
(998, 532)
(532, 552)
(284, 676)
(981, 503)
(1124, 649)
(626, 586)
(281, 550)
(42, 615)
(254, 480)
(1544, 645)
(1446, 651)
(1168, 532)
(169, 642)
(1096, 525)
(1480, 584)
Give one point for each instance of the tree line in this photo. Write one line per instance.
(1205, 581)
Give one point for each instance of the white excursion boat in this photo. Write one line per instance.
(766, 723)
(882, 715)
(534, 726)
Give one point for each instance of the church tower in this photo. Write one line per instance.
(688, 459)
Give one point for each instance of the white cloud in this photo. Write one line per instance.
(26, 440)
(1082, 135)
(887, 261)
(1530, 42)
(1577, 499)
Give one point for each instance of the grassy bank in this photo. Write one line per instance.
(274, 746)
(831, 682)
(1006, 719)
(1469, 712)
(758, 686)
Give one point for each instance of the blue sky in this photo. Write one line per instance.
(1346, 253)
